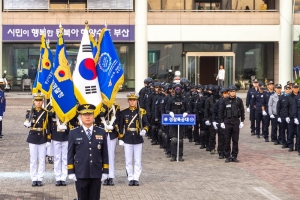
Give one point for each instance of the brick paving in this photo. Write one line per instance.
(265, 171)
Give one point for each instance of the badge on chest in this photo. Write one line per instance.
(99, 137)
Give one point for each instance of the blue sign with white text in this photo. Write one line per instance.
(178, 119)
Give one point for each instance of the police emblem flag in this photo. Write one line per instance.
(63, 98)
(109, 69)
(85, 79)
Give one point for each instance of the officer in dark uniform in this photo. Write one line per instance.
(196, 99)
(283, 125)
(249, 104)
(288, 110)
(231, 112)
(133, 126)
(2, 108)
(87, 155)
(199, 112)
(178, 104)
(266, 116)
(143, 92)
(216, 123)
(296, 115)
(259, 105)
(39, 138)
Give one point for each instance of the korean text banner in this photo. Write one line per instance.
(32, 33)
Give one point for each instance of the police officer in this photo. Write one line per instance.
(37, 120)
(143, 92)
(208, 112)
(283, 125)
(133, 126)
(178, 104)
(288, 110)
(296, 115)
(250, 109)
(196, 100)
(216, 123)
(231, 112)
(87, 155)
(272, 108)
(2, 108)
(259, 105)
(266, 117)
(207, 94)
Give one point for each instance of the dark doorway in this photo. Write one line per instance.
(208, 70)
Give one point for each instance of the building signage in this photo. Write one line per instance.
(178, 119)
(72, 33)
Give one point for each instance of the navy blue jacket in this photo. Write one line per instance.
(250, 95)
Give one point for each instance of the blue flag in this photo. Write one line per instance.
(63, 98)
(109, 69)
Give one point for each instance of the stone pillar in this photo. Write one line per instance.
(141, 44)
(285, 41)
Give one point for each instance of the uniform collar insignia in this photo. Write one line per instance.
(132, 108)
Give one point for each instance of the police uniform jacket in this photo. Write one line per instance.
(2, 103)
(288, 105)
(158, 110)
(130, 125)
(231, 110)
(250, 95)
(267, 96)
(199, 107)
(296, 107)
(215, 113)
(178, 104)
(259, 101)
(39, 131)
(280, 106)
(272, 104)
(87, 158)
(142, 94)
(209, 105)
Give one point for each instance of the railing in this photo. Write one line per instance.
(213, 10)
(68, 10)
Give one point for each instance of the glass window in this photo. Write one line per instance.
(162, 58)
(206, 47)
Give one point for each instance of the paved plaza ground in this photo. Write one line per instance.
(265, 171)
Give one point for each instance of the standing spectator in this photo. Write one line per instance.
(201, 6)
(221, 76)
(32, 73)
(263, 5)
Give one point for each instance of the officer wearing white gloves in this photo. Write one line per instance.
(133, 126)
(249, 104)
(232, 116)
(296, 115)
(38, 138)
(259, 105)
(87, 155)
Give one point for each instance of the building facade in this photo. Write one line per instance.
(155, 36)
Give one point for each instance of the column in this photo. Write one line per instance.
(285, 41)
(141, 44)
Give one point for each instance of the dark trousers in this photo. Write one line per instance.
(265, 125)
(196, 132)
(189, 132)
(154, 131)
(88, 188)
(291, 134)
(174, 139)
(284, 130)
(298, 139)
(0, 127)
(258, 120)
(274, 128)
(232, 132)
(252, 119)
(212, 137)
(221, 139)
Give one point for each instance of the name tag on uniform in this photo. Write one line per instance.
(261, 95)
(228, 106)
(252, 96)
(99, 137)
(78, 138)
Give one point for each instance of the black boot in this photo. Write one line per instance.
(173, 158)
(111, 181)
(227, 160)
(197, 143)
(181, 159)
(202, 146)
(106, 182)
(221, 155)
(168, 155)
(234, 159)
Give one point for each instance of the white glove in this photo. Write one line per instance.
(48, 144)
(279, 119)
(72, 177)
(248, 110)
(207, 123)
(241, 125)
(1, 118)
(184, 114)
(121, 142)
(171, 114)
(104, 176)
(142, 133)
(109, 127)
(296, 121)
(215, 125)
(27, 124)
(287, 120)
(222, 125)
(264, 113)
(272, 116)
(62, 127)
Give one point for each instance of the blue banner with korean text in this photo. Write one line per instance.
(178, 119)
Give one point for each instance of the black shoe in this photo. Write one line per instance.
(284, 146)
(39, 183)
(252, 133)
(298, 154)
(227, 160)
(276, 142)
(197, 143)
(213, 151)
(258, 136)
(63, 183)
(221, 155)
(202, 146)
(266, 139)
(106, 182)
(190, 140)
(34, 183)
(58, 183)
(272, 140)
(173, 158)
(207, 149)
(234, 159)
(154, 143)
(291, 149)
(136, 183)
(111, 181)
(1, 135)
(181, 159)
(131, 183)
(168, 155)
(161, 146)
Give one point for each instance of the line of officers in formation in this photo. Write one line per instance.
(218, 111)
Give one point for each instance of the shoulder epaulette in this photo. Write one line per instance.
(143, 111)
(75, 128)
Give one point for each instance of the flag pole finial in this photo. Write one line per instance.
(105, 24)
(87, 25)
